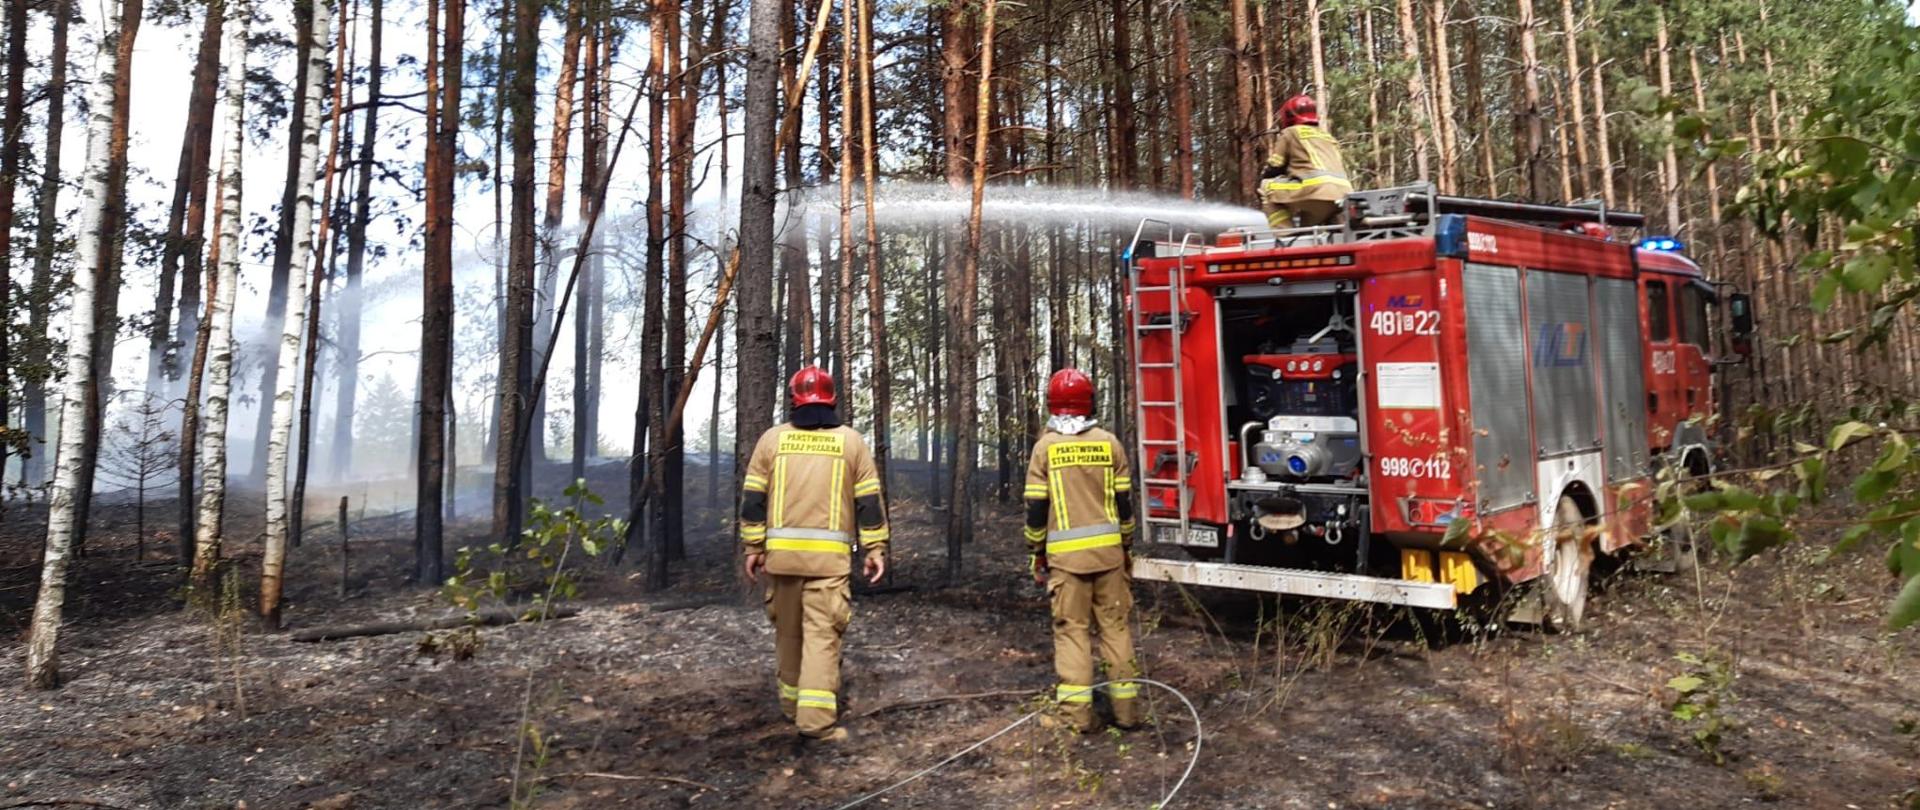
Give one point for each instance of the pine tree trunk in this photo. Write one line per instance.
(876, 295)
(652, 372)
(436, 327)
(1125, 163)
(1531, 157)
(189, 189)
(757, 366)
(210, 526)
(554, 210)
(40, 294)
(1582, 159)
(960, 306)
(1602, 141)
(1245, 142)
(674, 349)
(348, 299)
(10, 124)
(43, 665)
(1419, 105)
(1449, 144)
(583, 393)
(1182, 98)
(510, 479)
(1670, 172)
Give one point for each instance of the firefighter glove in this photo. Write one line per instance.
(1037, 566)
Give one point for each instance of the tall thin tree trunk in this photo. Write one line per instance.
(278, 290)
(1603, 141)
(876, 294)
(652, 371)
(1713, 175)
(1245, 142)
(436, 328)
(40, 293)
(510, 479)
(63, 524)
(758, 347)
(210, 526)
(1182, 98)
(294, 330)
(1318, 54)
(1532, 156)
(1419, 105)
(681, 74)
(106, 302)
(189, 189)
(1670, 173)
(1449, 144)
(348, 301)
(1582, 157)
(1126, 134)
(965, 379)
(16, 34)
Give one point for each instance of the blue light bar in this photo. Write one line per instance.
(1663, 244)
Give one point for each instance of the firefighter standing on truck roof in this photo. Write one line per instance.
(1305, 178)
(810, 486)
(1079, 527)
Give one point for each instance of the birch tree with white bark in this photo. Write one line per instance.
(294, 327)
(213, 428)
(63, 504)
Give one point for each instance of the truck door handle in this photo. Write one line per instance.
(1653, 402)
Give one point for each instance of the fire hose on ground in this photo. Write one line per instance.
(1198, 736)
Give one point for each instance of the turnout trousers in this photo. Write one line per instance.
(809, 615)
(1082, 602)
(1309, 212)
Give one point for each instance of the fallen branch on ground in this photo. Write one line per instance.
(640, 778)
(59, 802)
(490, 617)
(914, 704)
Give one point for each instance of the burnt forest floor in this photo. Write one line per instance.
(667, 700)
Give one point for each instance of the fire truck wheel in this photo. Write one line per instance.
(1570, 573)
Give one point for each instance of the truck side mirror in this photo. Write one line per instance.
(1740, 310)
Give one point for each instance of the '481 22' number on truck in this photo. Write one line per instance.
(1389, 323)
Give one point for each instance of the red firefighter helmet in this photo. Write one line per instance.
(811, 385)
(1070, 393)
(1299, 110)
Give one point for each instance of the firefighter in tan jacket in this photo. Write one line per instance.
(1079, 527)
(812, 495)
(1305, 181)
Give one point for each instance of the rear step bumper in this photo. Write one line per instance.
(1436, 595)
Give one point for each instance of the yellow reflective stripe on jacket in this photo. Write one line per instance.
(818, 546)
(755, 483)
(1035, 535)
(873, 535)
(1059, 498)
(1123, 690)
(1082, 544)
(753, 534)
(1106, 488)
(1073, 693)
(1122, 483)
(1036, 491)
(788, 691)
(817, 699)
(776, 500)
(870, 486)
(839, 486)
(1296, 185)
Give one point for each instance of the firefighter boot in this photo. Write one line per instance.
(1072, 597)
(783, 610)
(1112, 606)
(826, 606)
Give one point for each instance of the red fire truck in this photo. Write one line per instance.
(1440, 397)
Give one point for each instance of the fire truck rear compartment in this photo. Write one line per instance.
(1291, 362)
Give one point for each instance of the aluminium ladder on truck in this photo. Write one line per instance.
(1154, 453)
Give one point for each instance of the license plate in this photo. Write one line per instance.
(1201, 536)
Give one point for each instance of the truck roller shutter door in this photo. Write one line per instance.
(1497, 373)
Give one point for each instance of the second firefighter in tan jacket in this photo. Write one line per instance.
(812, 496)
(1305, 181)
(1079, 527)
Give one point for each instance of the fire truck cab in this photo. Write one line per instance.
(1441, 396)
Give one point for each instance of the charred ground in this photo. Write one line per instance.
(665, 700)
